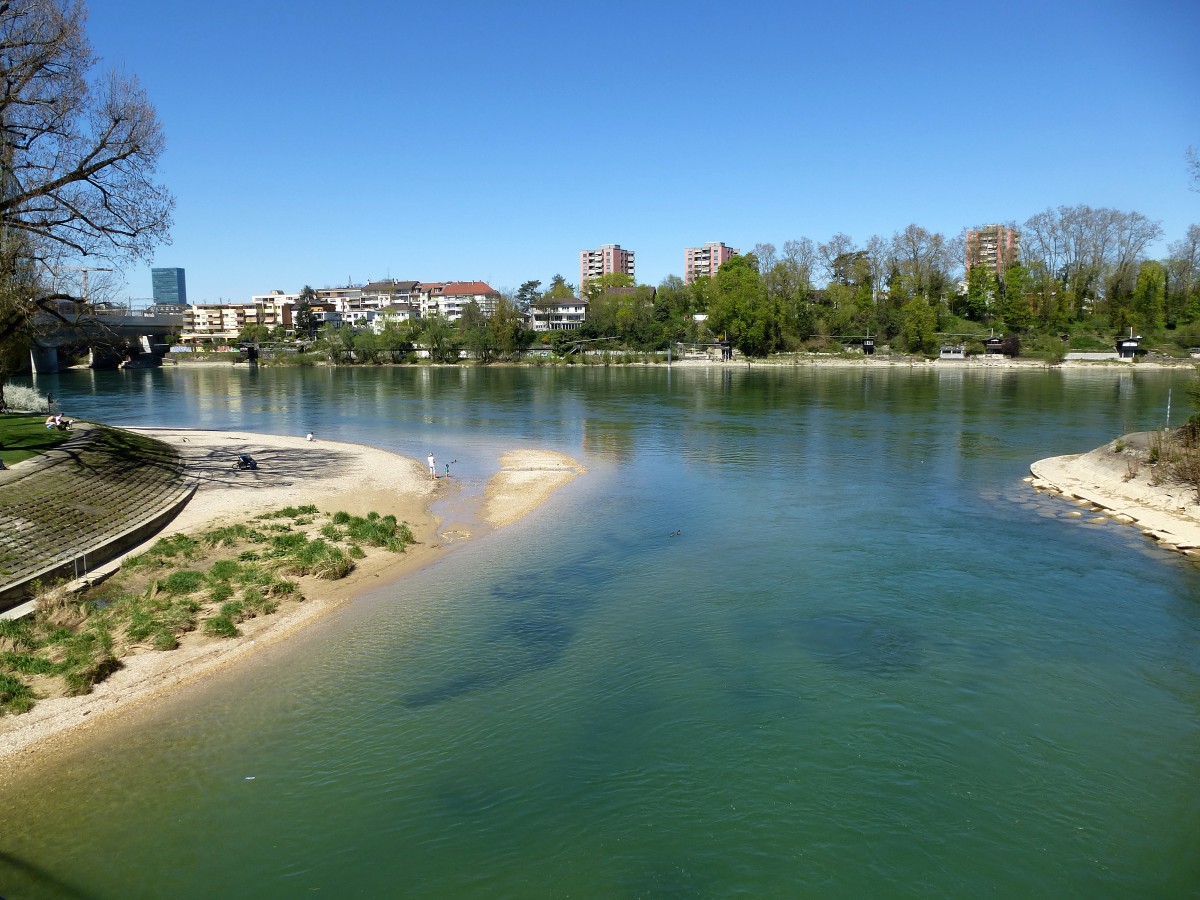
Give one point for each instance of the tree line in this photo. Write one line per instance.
(1082, 273)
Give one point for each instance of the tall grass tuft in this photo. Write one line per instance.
(15, 695)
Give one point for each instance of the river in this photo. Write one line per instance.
(799, 632)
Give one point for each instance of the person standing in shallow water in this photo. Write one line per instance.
(432, 467)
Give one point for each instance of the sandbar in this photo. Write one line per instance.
(293, 471)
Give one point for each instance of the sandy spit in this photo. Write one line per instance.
(292, 471)
(1119, 481)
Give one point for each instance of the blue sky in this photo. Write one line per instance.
(317, 143)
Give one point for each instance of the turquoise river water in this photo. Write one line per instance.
(873, 662)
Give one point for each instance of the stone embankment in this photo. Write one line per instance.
(91, 499)
(1124, 481)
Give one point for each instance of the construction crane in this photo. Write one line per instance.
(84, 270)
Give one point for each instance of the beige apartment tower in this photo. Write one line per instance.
(608, 259)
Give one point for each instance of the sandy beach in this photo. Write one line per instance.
(1118, 481)
(292, 471)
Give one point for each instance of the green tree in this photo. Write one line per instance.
(509, 334)
(527, 295)
(303, 312)
(742, 309)
(1014, 306)
(918, 326)
(1149, 296)
(366, 345)
(397, 338)
(475, 332)
(982, 287)
(559, 289)
(441, 338)
(255, 334)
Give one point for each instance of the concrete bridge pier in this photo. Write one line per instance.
(43, 359)
(104, 358)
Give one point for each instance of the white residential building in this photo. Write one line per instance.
(559, 315)
(449, 299)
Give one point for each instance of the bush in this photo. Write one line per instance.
(18, 396)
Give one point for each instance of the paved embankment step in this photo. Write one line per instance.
(80, 504)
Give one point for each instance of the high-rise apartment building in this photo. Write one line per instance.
(700, 262)
(170, 289)
(609, 258)
(994, 246)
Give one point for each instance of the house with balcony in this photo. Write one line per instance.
(561, 314)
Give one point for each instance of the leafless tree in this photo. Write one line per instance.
(923, 259)
(1184, 262)
(801, 258)
(765, 253)
(1091, 252)
(832, 250)
(78, 159)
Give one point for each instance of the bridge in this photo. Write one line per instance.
(113, 337)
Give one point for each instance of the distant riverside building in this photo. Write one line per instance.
(559, 315)
(608, 259)
(449, 298)
(169, 286)
(701, 262)
(995, 246)
(223, 322)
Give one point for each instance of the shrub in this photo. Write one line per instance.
(18, 396)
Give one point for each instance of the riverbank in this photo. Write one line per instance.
(1119, 481)
(782, 360)
(291, 471)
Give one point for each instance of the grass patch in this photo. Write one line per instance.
(185, 581)
(15, 695)
(24, 436)
(211, 582)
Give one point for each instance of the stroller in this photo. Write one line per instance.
(245, 461)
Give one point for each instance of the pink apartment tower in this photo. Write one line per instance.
(994, 246)
(701, 262)
(609, 258)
